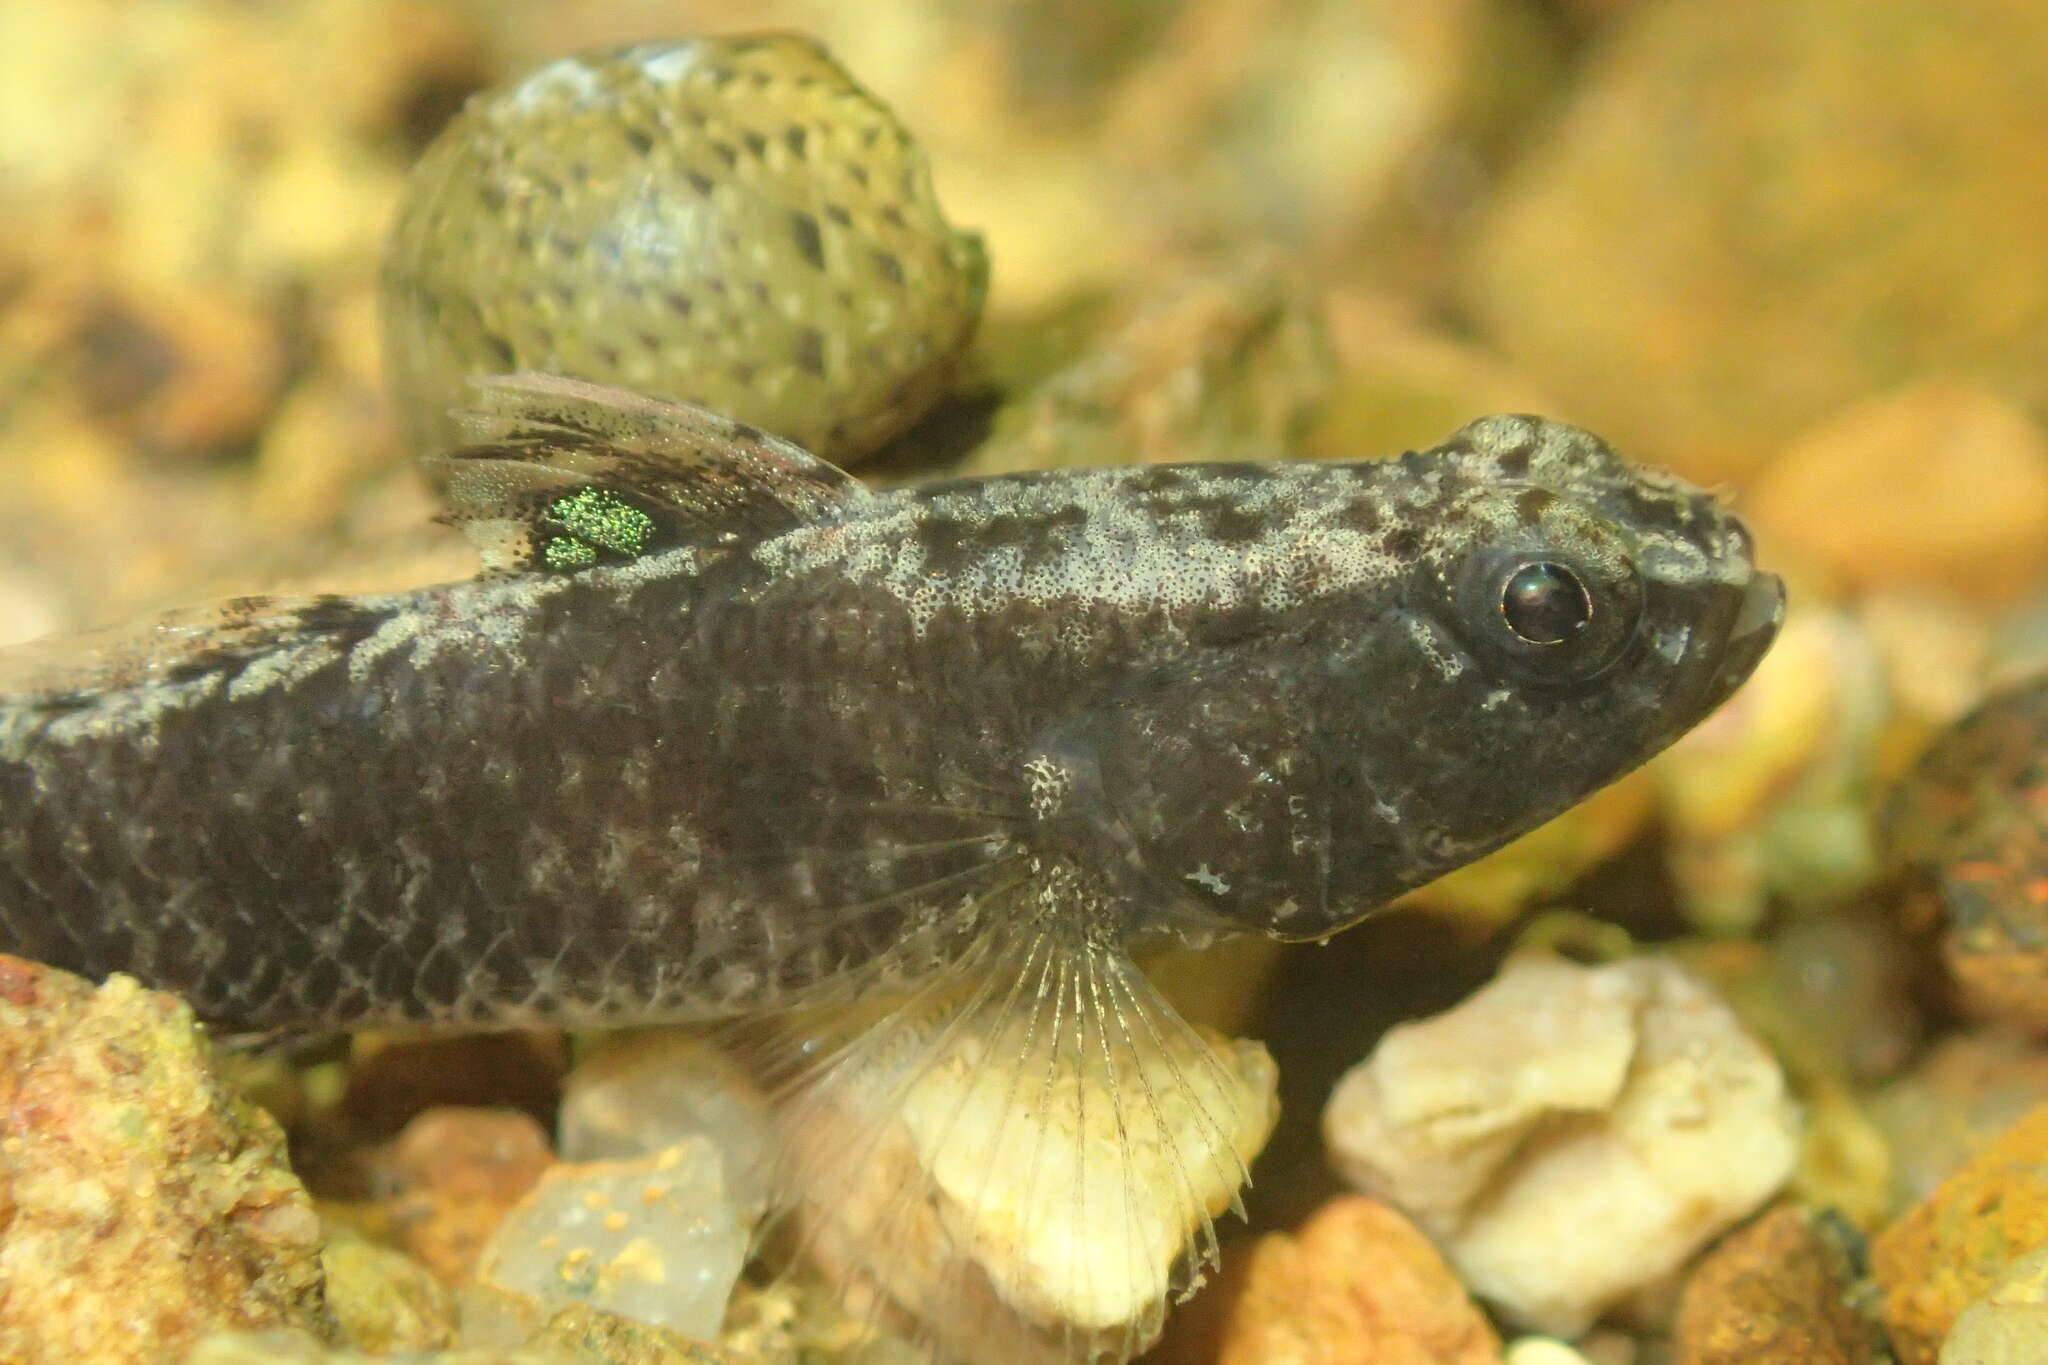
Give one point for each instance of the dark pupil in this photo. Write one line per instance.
(1545, 604)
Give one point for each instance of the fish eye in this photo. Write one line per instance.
(1544, 603)
(1546, 615)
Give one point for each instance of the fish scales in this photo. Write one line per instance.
(720, 727)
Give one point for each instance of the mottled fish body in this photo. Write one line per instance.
(720, 726)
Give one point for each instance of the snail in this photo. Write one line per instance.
(729, 221)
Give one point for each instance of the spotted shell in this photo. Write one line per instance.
(729, 221)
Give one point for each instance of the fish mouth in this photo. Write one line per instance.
(1757, 618)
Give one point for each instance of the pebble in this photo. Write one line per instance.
(1357, 1285)
(732, 221)
(1955, 1246)
(391, 1080)
(1543, 1351)
(1778, 1290)
(2008, 1326)
(1834, 998)
(451, 1176)
(1540, 866)
(1956, 1101)
(656, 1239)
(384, 1300)
(1626, 1097)
(635, 1094)
(144, 1204)
(1767, 802)
(1971, 820)
(573, 1336)
(1214, 361)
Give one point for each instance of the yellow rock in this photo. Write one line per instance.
(144, 1204)
(1752, 212)
(1943, 486)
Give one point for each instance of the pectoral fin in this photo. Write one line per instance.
(1021, 1158)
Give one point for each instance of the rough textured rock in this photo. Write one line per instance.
(1627, 1098)
(141, 1204)
(383, 1299)
(1777, 1290)
(1955, 1246)
(1755, 211)
(1358, 1285)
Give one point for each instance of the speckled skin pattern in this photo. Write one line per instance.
(728, 221)
(831, 728)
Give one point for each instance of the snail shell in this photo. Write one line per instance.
(730, 221)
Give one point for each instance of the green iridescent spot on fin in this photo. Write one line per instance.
(623, 474)
(603, 520)
(567, 552)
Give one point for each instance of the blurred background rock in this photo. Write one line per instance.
(1720, 233)
(197, 194)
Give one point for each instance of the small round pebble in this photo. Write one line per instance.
(1358, 1282)
(1776, 1290)
(450, 1177)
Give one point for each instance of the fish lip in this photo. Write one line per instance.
(1750, 635)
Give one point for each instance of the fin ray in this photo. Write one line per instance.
(1004, 1156)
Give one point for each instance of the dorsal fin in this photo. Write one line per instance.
(560, 474)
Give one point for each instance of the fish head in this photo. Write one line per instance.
(1567, 616)
(1534, 618)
